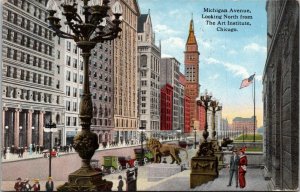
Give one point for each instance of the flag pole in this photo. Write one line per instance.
(254, 118)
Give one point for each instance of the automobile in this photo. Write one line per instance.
(47, 154)
(111, 164)
(148, 156)
(127, 162)
(182, 143)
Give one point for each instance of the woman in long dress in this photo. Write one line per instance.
(242, 167)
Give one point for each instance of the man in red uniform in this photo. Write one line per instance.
(242, 167)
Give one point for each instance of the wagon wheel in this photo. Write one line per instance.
(47, 155)
(136, 163)
(145, 160)
(112, 170)
(120, 168)
(127, 166)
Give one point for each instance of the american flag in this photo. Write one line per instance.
(247, 82)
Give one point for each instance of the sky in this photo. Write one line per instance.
(226, 58)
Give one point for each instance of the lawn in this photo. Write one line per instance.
(249, 137)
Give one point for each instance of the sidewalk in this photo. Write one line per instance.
(181, 182)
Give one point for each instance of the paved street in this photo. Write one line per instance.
(177, 182)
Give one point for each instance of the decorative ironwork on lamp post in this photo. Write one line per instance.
(214, 107)
(204, 101)
(50, 128)
(86, 32)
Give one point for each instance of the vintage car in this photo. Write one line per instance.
(53, 153)
(111, 164)
(148, 156)
(127, 162)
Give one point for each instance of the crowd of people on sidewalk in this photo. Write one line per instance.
(32, 149)
(26, 186)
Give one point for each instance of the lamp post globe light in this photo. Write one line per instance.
(87, 31)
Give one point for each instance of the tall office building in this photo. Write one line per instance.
(170, 74)
(125, 74)
(149, 56)
(191, 61)
(30, 96)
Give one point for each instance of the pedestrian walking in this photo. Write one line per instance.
(49, 185)
(233, 167)
(4, 152)
(19, 152)
(37, 149)
(121, 183)
(243, 162)
(18, 184)
(36, 186)
(30, 149)
(22, 151)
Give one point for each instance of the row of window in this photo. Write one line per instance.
(28, 76)
(101, 97)
(28, 42)
(28, 24)
(12, 92)
(30, 8)
(105, 122)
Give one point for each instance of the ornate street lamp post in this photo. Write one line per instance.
(50, 128)
(205, 155)
(204, 101)
(86, 32)
(6, 133)
(214, 107)
(142, 149)
(195, 132)
(20, 136)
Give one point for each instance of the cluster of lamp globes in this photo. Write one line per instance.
(207, 100)
(95, 14)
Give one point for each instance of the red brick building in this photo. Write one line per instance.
(186, 106)
(166, 107)
(246, 124)
(201, 117)
(191, 61)
(187, 115)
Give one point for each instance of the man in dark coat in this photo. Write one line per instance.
(18, 185)
(49, 185)
(121, 183)
(234, 163)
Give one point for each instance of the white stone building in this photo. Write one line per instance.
(149, 56)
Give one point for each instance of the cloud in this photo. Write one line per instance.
(237, 70)
(211, 60)
(258, 77)
(173, 43)
(164, 55)
(254, 47)
(232, 52)
(164, 29)
(214, 77)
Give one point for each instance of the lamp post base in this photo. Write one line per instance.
(204, 169)
(86, 180)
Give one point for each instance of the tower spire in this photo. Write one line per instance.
(192, 24)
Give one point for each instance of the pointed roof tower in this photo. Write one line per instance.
(191, 39)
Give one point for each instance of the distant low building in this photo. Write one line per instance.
(245, 125)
